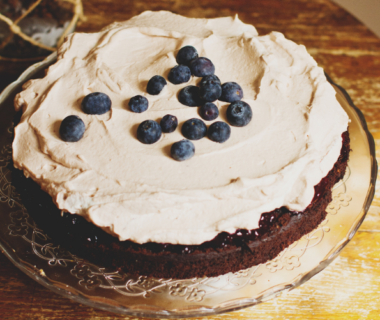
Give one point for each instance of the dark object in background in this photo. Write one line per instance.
(30, 30)
(45, 24)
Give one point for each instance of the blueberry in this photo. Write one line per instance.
(96, 103)
(210, 91)
(201, 67)
(194, 129)
(149, 132)
(239, 114)
(231, 92)
(179, 74)
(209, 79)
(219, 131)
(168, 123)
(189, 96)
(209, 111)
(138, 104)
(182, 150)
(155, 85)
(72, 129)
(186, 54)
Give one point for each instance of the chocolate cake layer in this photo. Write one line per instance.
(225, 253)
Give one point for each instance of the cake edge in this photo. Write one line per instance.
(135, 259)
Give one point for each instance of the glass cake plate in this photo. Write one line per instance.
(34, 253)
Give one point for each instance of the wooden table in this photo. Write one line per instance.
(350, 54)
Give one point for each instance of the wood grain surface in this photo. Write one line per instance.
(350, 54)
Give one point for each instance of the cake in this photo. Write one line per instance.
(233, 204)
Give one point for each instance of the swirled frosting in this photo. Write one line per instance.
(138, 191)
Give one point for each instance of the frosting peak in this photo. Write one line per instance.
(138, 191)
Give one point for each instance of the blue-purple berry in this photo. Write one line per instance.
(96, 103)
(239, 114)
(209, 111)
(179, 74)
(186, 54)
(138, 104)
(148, 132)
(194, 129)
(210, 91)
(231, 91)
(219, 132)
(201, 67)
(190, 96)
(72, 129)
(169, 123)
(210, 79)
(182, 150)
(155, 85)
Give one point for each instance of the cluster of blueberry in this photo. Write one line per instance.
(72, 127)
(209, 90)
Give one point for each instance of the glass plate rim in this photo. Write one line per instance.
(77, 296)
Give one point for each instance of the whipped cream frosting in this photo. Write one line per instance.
(138, 192)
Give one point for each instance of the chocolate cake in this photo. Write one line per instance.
(103, 135)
